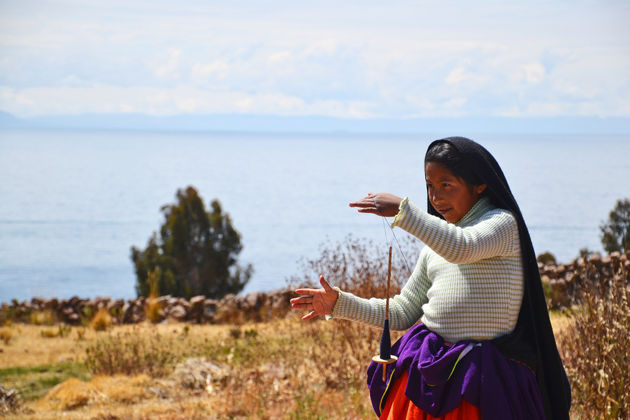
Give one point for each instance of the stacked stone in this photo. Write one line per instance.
(254, 307)
(564, 282)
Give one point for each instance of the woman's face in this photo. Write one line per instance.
(451, 196)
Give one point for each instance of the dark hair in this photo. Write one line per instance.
(447, 155)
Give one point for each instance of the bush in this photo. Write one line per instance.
(358, 266)
(195, 253)
(596, 350)
(616, 231)
(130, 353)
(546, 258)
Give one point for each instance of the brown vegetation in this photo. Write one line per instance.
(596, 349)
(282, 368)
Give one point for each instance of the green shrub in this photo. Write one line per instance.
(616, 230)
(546, 258)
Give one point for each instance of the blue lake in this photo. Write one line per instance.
(74, 202)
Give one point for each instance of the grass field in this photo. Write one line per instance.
(284, 369)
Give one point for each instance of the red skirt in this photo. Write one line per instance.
(398, 406)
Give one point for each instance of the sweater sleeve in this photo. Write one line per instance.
(405, 309)
(495, 234)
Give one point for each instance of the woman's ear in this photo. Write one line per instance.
(479, 189)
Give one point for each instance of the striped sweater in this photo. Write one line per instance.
(467, 283)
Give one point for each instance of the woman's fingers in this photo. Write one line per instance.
(307, 291)
(318, 301)
(365, 201)
(325, 284)
(309, 315)
(302, 299)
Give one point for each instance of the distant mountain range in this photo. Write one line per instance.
(320, 124)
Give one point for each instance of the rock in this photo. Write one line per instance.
(199, 374)
(51, 304)
(177, 312)
(209, 309)
(197, 300)
(164, 300)
(134, 312)
(115, 304)
(595, 259)
(9, 400)
(228, 310)
(560, 270)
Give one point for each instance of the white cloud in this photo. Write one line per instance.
(166, 101)
(215, 69)
(366, 59)
(167, 67)
(534, 72)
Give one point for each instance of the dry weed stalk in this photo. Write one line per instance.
(5, 335)
(102, 320)
(153, 308)
(596, 350)
(359, 266)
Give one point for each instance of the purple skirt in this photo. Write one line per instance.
(441, 375)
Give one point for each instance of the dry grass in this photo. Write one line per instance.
(45, 317)
(283, 369)
(596, 353)
(102, 320)
(5, 335)
(130, 353)
(101, 390)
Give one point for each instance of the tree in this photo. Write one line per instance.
(616, 231)
(194, 254)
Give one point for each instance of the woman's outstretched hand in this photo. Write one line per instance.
(319, 301)
(383, 204)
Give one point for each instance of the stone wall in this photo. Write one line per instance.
(562, 283)
(256, 307)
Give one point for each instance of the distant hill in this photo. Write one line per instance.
(320, 124)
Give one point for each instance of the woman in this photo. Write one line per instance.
(484, 347)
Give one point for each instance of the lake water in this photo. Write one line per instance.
(74, 202)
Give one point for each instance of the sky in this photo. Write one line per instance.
(358, 59)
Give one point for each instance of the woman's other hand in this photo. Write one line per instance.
(383, 204)
(319, 301)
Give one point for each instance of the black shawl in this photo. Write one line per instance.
(532, 341)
